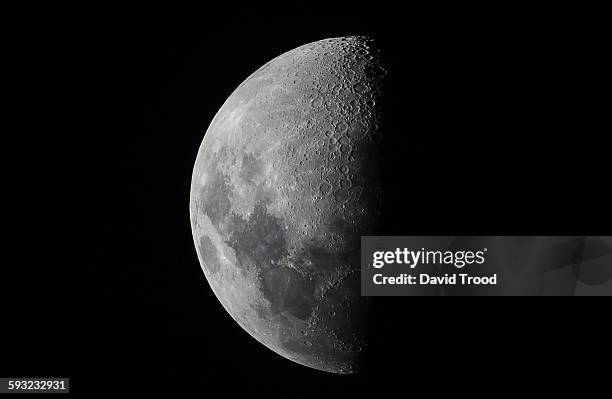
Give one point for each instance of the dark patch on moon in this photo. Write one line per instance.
(208, 254)
(287, 290)
(215, 198)
(260, 238)
(251, 167)
(320, 258)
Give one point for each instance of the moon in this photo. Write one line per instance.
(286, 181)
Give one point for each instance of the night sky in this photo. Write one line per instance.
(489, 128)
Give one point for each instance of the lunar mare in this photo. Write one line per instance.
(286, 181)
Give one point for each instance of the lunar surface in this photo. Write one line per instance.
(286, 181)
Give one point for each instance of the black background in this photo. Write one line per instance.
(492, 127)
